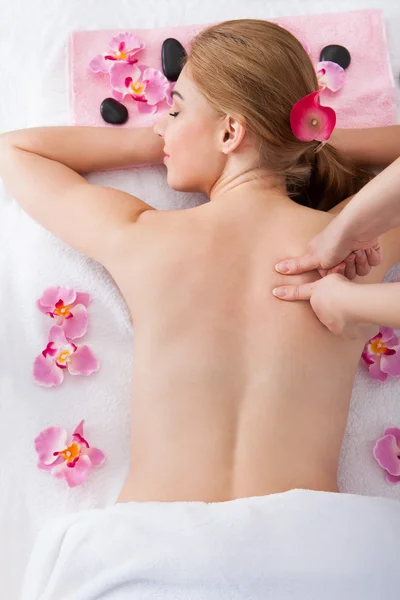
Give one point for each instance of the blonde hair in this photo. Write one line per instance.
(259, 70)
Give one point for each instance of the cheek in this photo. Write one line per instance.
(194, 160)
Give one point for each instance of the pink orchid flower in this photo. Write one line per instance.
(306, 47)
(330, 75)
(72, 461)
(387, 453)
(60, 354)
(123, 47)
(146, 86)
(68, 308)
(382, 355)
(311, 121)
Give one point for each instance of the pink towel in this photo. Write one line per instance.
(367, 98)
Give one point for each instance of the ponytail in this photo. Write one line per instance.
(324, 179)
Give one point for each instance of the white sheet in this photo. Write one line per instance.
(34, 92)
(300, 545)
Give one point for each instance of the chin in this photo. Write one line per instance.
(181, 185)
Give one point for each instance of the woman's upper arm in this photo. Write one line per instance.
(339, 207)
(371, 146)
(88, 217)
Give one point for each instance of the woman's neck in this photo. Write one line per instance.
(250, 185)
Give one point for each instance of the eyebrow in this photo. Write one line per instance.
(175, 93)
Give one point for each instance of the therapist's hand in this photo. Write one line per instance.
(331, 251)
(332, 299)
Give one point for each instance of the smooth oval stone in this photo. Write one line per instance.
(172, 54)
(337, 54)
(113, 111)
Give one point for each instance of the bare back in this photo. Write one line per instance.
(235, 393)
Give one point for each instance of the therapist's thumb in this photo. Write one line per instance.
(297, 265)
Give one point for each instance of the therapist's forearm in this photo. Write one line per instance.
(376, 303)
(85, 149)
(375, 209)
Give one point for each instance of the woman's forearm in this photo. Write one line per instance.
(86, 149)
(375, 209)
(372, 147)
(376, 303)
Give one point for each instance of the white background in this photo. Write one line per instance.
(34, 91)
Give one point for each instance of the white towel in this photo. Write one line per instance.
(301, 545)
(34, 92)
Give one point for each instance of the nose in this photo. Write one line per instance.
(159, 127)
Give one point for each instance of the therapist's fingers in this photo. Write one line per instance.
(294, 292)
(374, 256)
(361, 263)
(340, 269)
(301, 264)
(350, 270)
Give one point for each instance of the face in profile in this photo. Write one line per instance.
(191, 130)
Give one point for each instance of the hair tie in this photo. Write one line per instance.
(320, 146)
(310, 121)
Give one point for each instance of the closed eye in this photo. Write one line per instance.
(174, 114)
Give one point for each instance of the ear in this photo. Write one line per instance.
(232, 134)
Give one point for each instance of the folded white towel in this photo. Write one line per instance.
(300, 544)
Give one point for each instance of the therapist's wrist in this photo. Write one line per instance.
(363, 303)
(353, 233)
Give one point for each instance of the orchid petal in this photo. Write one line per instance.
(97, 457)
(117, 95)
(376, 372)
(368, 357)
(386, 453)
(99, 64)
(77, 326)
(46, 372)
(57, 336)
(50, 440)
(75, 475)
(118, 74)
(330, 75)
(388, 337)
(49, 297)
(306, 47)
(82, 298)
(83, 362)
(147, 109)
(156, 87)
(390, 364)
(79, 429)
(395, 431)
(392, 478)
(43, 467)
(132, 43)
(67, 295)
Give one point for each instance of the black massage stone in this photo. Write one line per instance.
(337, 54)
(113, 111)
(172, 54)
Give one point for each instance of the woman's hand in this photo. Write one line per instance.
(332, 301)
(332, 252)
